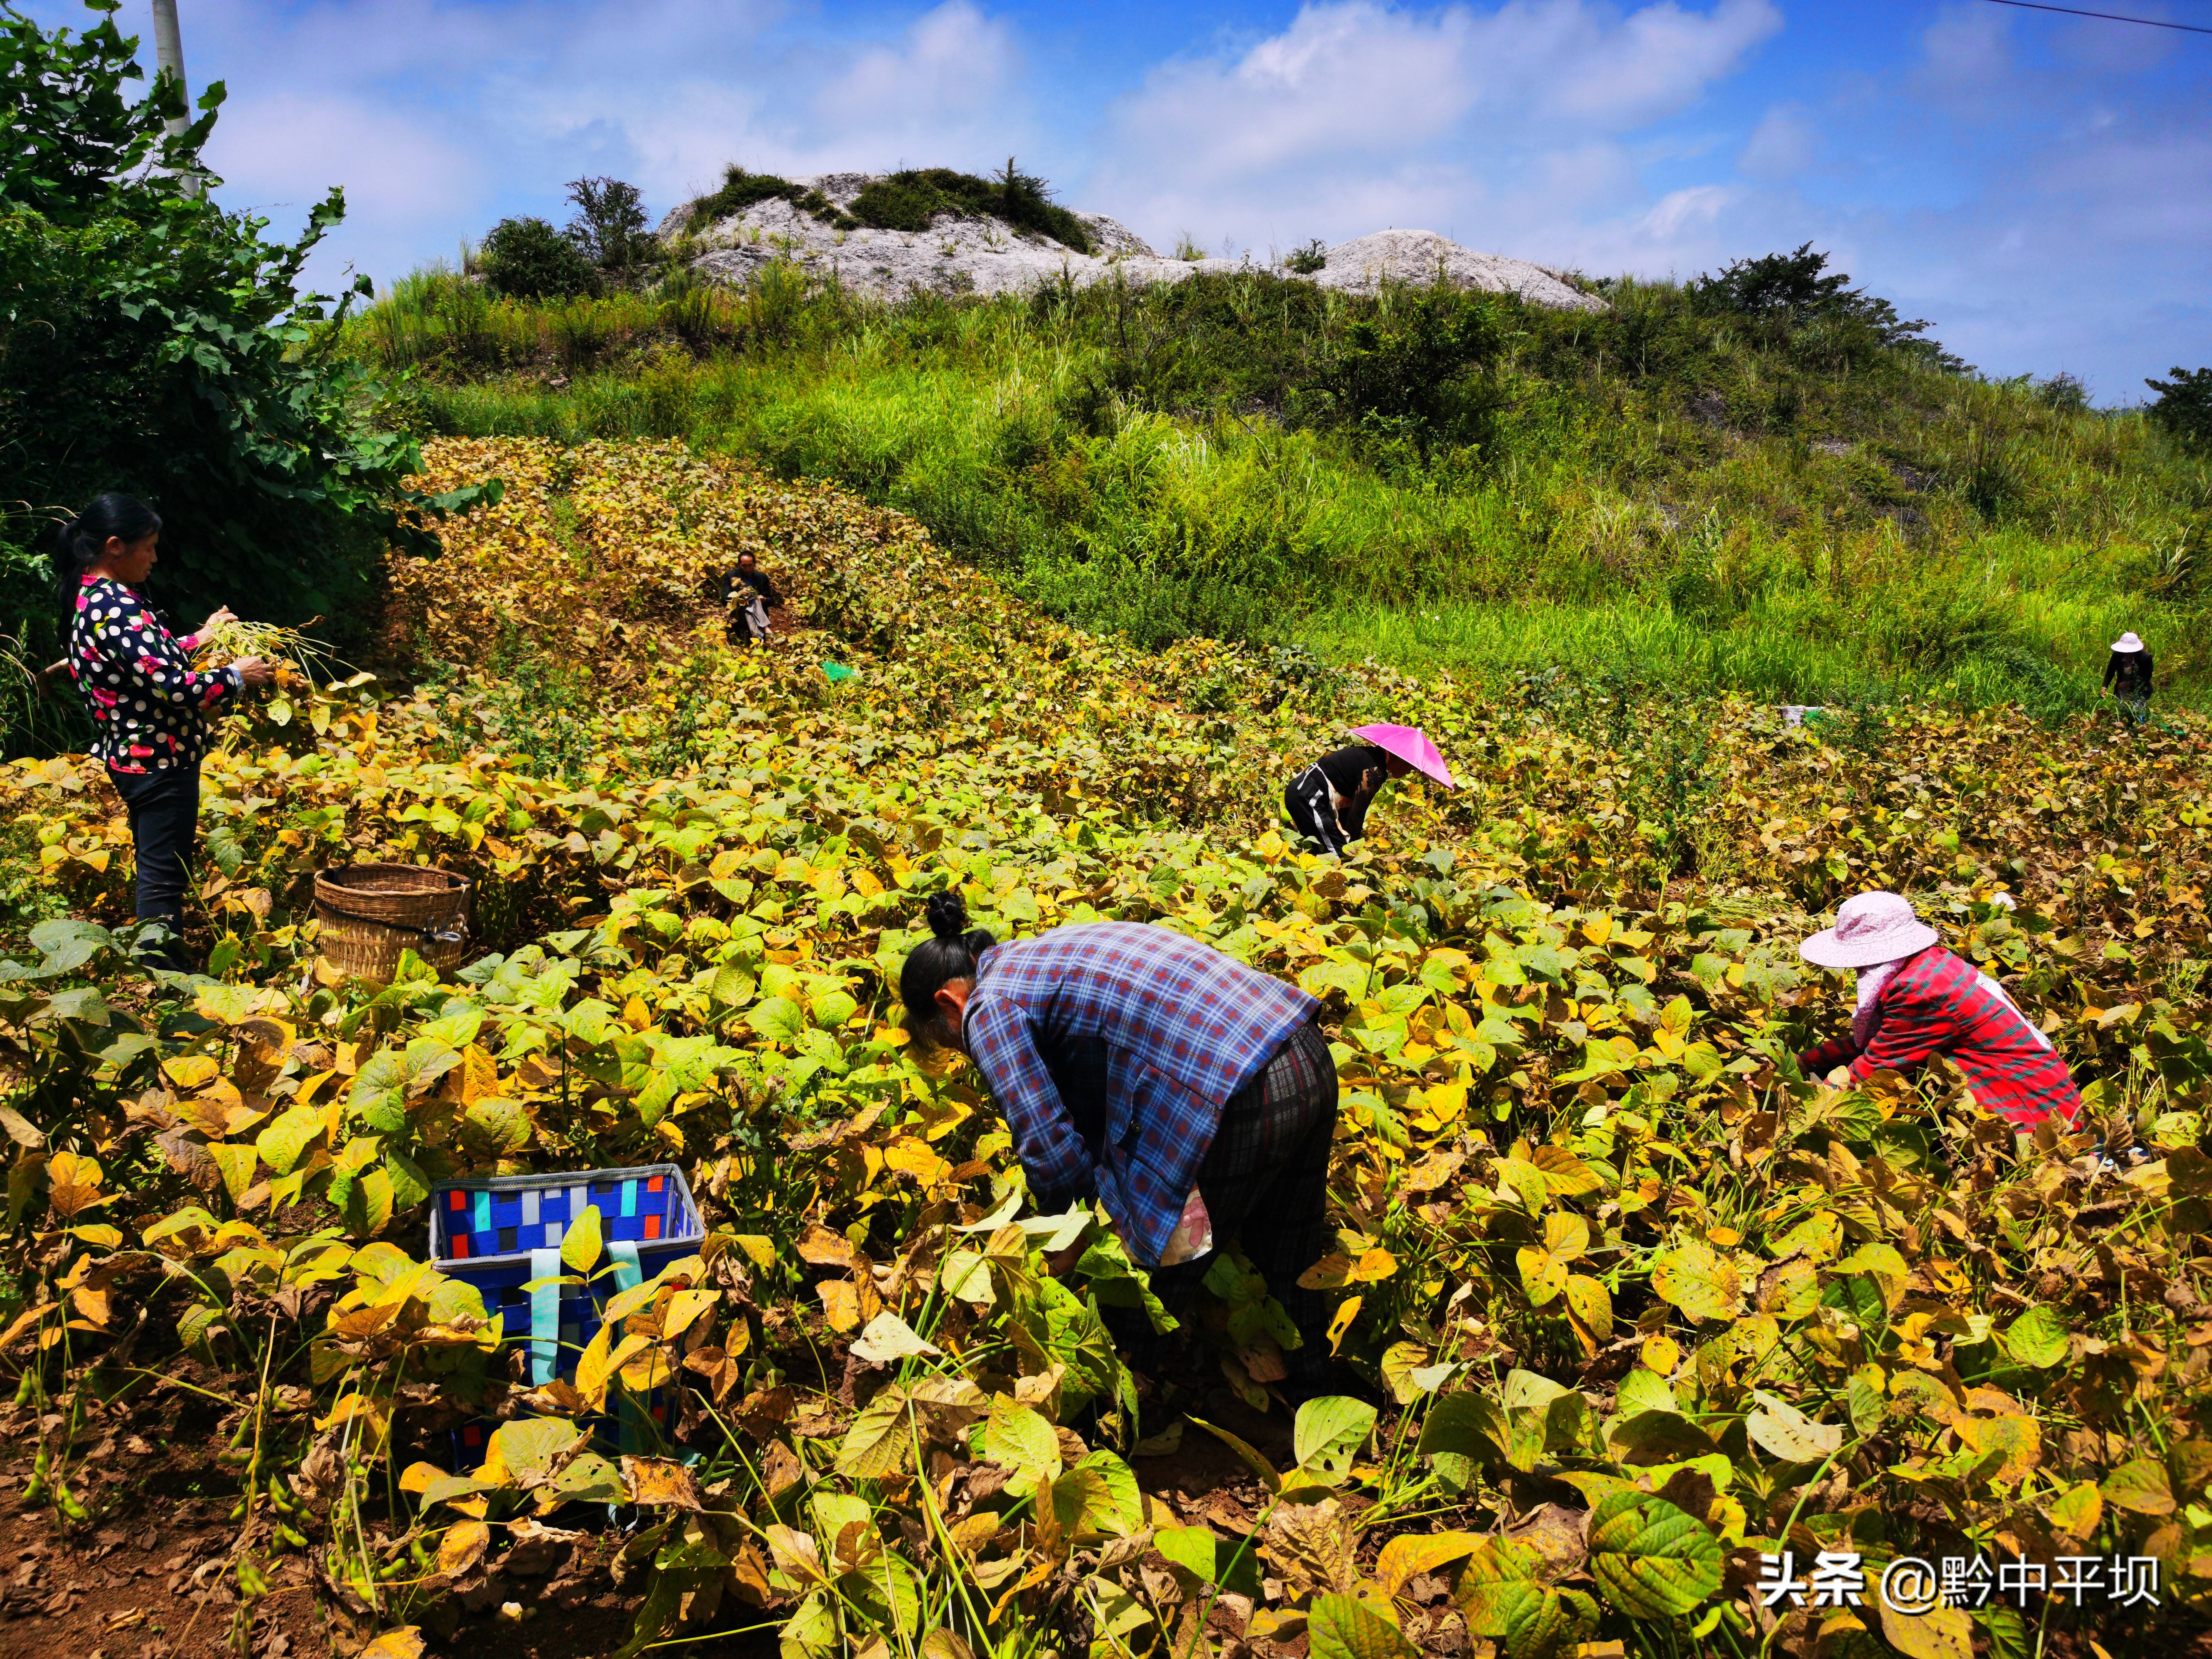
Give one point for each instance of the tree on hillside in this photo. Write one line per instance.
(608, 229)
(153, 343)
(1788, 292)
(2184, 406)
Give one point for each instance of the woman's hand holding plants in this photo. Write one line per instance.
(253, 673)
(217, 618)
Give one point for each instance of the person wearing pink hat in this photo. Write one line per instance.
(1916, 998)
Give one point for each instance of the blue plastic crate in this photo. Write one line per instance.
(501, 1232)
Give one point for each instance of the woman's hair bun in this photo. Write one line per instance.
(947, 916)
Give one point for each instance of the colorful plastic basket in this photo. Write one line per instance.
(501, 1233)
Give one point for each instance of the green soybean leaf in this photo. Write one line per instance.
(1652, 1560)
(2037, 1338)
(1328, 1433)
(1345, 1627)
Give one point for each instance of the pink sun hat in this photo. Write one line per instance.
(1410, 744)
(1871, 928)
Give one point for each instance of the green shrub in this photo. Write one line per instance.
(741, 190)
(1416, 371)
(909, 200)
(1306, 260)
(527, 260)
(2063, 393)
(2184, 406)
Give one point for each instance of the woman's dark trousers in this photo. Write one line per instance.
(164, 808)
(1313, 814)
(1265, 1181)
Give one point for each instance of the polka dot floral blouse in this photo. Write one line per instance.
(149, 704)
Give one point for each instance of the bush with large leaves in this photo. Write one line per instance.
(152, 341)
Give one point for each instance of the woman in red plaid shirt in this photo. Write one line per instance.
(1916, 998)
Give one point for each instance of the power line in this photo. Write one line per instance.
(2108, 16)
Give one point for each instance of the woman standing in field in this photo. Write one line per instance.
(1192, 1096)
(1916, 998)
(2127, 676)
(150, 705)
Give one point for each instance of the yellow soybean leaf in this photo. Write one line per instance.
(463, 1546)
(1699, 1280)
(1591, 1303)
(1543, 1276)
(419, 1477)
(1374, 1265)
(683, 1308)
(580, 1244)
(911, 1156)
(190, 1071)
(839, 1306)
(1338, 1326)
(599, 1363)
(1412, 1554)
(1565, 1236)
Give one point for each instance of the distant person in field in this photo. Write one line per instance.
(1194, 1097)
(150, 705)
(1327, 802)
(2127, 676)
(747, 594)
(1916, 998)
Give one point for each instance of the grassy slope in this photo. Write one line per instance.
(1659, 494)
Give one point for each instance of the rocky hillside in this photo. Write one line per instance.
(812, 222)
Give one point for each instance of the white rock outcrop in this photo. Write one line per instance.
(982, 256)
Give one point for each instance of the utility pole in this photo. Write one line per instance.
(169, 55)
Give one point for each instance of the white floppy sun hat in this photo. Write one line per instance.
(1870, 929)
(2127, 642)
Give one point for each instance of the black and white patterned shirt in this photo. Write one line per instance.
(149, 704)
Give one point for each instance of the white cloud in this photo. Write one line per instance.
(1327, 121)
(1657, 61)
(1782, 144)
(1677, 210)
(291, 147)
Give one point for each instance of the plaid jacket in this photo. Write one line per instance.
(1111, 1047)
(1939, 1002)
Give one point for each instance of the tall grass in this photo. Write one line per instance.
(1795, 515)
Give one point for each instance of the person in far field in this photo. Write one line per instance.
(2127, 676)
(1916, 998)
(1194, 1097)
(747, 594)
(1327, 802)
(150, 705)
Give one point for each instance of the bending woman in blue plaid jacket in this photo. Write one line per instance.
(1139, 1067)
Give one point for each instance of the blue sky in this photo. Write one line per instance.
(2040, 186)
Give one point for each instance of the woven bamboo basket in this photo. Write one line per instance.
(370, 913)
